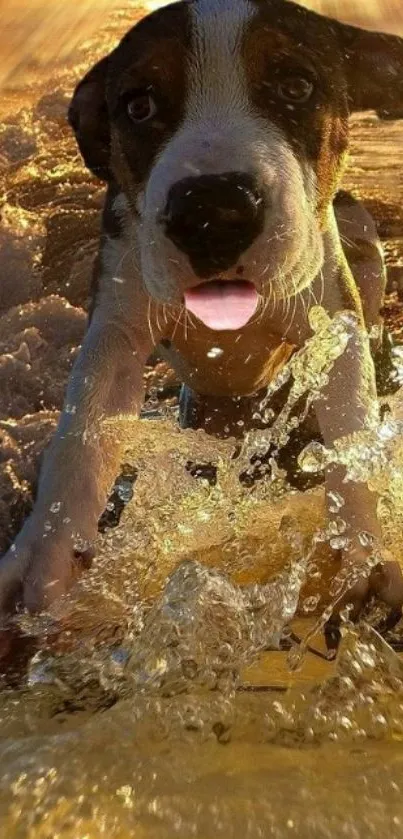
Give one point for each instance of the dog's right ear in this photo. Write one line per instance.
(88, 116)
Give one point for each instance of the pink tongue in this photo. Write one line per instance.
(222, 305)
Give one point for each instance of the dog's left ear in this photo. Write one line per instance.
(374, 71)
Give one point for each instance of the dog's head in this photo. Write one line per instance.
(225, 124)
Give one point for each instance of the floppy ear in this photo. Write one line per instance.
(88, 116)
(375, 71)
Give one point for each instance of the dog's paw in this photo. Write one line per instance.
(384, 586)
(39, 568)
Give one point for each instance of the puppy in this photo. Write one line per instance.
(221, 130)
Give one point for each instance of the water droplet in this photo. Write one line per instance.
(215, 352)
(310, 603)
(314, 458)
(336, 527)
(336, 501)
(367, 540)
(339, 543)
(124, 490)
(388, 430)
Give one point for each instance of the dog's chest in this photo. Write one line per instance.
(226, 363)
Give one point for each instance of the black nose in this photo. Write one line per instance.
(213, 219)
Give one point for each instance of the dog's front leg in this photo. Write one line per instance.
(349, 404)
(107, 380)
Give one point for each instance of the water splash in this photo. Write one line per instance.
(203, 630)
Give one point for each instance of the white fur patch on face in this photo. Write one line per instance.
(218, 84)
(223, 132)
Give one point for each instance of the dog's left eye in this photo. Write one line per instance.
(141, 106)
(295, 89)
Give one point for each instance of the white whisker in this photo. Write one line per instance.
(177, 322)
(149, 321)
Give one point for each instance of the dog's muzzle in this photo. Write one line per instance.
(213, 219)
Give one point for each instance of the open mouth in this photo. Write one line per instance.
(223, 304)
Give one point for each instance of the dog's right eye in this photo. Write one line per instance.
(141, 106)
(296, 89)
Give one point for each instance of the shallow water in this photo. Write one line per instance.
(321, 760)
(153, 705)
(183, 688)
(165, 787)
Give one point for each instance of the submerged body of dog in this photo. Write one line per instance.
(221, 127)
